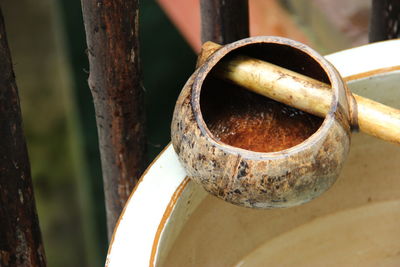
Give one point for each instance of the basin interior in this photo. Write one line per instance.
(355, 223)
(243, 119)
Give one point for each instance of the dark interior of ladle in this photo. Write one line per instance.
(243, 119)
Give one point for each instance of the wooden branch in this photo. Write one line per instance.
(20, 237)
(224, 21)
(306, 94)
(115, 82)
(385, 20)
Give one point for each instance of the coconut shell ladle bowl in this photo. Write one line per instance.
(266, 122)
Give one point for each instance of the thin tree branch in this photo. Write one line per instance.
(20, 237)
(385, 20)
(115, 82)
(224, 21)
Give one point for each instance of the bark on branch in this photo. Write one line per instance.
(115, 82)
(224, 21)
(385, 20)
(20, 238)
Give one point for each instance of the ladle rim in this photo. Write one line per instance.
(213, 60)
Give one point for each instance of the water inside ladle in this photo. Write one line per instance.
(243, 119)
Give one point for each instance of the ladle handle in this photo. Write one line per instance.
(306, 93)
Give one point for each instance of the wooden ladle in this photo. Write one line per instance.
(306, 94)
(220, 131)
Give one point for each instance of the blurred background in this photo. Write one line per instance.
(48, 47)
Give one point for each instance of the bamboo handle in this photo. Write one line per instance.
(306, 94)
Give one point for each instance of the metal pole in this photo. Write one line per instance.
(115, 82)
(20, 237)
(385, 20)
(224, 21)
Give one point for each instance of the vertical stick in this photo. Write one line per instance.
(224, 21)
(112, 28)
(385, 20)
(20, 237)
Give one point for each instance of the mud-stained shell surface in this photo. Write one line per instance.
(256, 179)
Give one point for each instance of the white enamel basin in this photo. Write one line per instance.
(170, 221)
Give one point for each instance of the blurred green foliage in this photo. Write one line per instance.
(167, 62)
